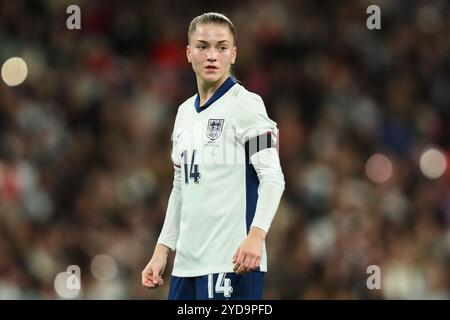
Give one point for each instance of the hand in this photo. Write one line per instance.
(248, 255)
(152, 273)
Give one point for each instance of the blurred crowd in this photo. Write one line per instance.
(85, 142)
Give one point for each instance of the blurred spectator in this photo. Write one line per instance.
(85, 142)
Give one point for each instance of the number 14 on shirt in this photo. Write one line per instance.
(194, 172)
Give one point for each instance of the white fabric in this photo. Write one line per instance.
(170, 231)
(206, 221)
(271, 186)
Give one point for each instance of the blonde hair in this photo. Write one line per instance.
(215, 18)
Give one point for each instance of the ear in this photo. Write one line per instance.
(233, 60)
(188, 53)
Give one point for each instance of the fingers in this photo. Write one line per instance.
(238, 261)
(252, 264)
(149, 283)
(156, 275)
(151, 277)
(257, 262)
(243, 268)
(147, 280)
(236, 255)
(246, 263)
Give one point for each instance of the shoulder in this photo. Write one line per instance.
(185, 107)
(187, 103)
(246, 95)
(247, 101)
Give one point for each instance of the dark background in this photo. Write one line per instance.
(85, 143)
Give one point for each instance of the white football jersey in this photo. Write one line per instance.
(212, 145)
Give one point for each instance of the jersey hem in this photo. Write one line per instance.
(206, 271)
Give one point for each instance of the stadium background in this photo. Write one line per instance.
(85, 142)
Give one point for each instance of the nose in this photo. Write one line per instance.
(211, 57)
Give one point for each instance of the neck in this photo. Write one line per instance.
(207, 89)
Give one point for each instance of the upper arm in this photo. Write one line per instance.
(252, 120)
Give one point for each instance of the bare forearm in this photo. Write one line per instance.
(257, 233)
(161, 251)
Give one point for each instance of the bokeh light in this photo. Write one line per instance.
(14, 71)
(103, 268)
(379, 168)
(433, 163)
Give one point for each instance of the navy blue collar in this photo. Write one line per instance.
(224, 87)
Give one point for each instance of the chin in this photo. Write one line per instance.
(212, 77)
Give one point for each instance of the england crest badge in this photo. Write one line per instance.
(214, 128)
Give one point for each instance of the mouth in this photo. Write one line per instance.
(211, 67)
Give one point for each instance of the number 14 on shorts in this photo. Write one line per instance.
(223, 285)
